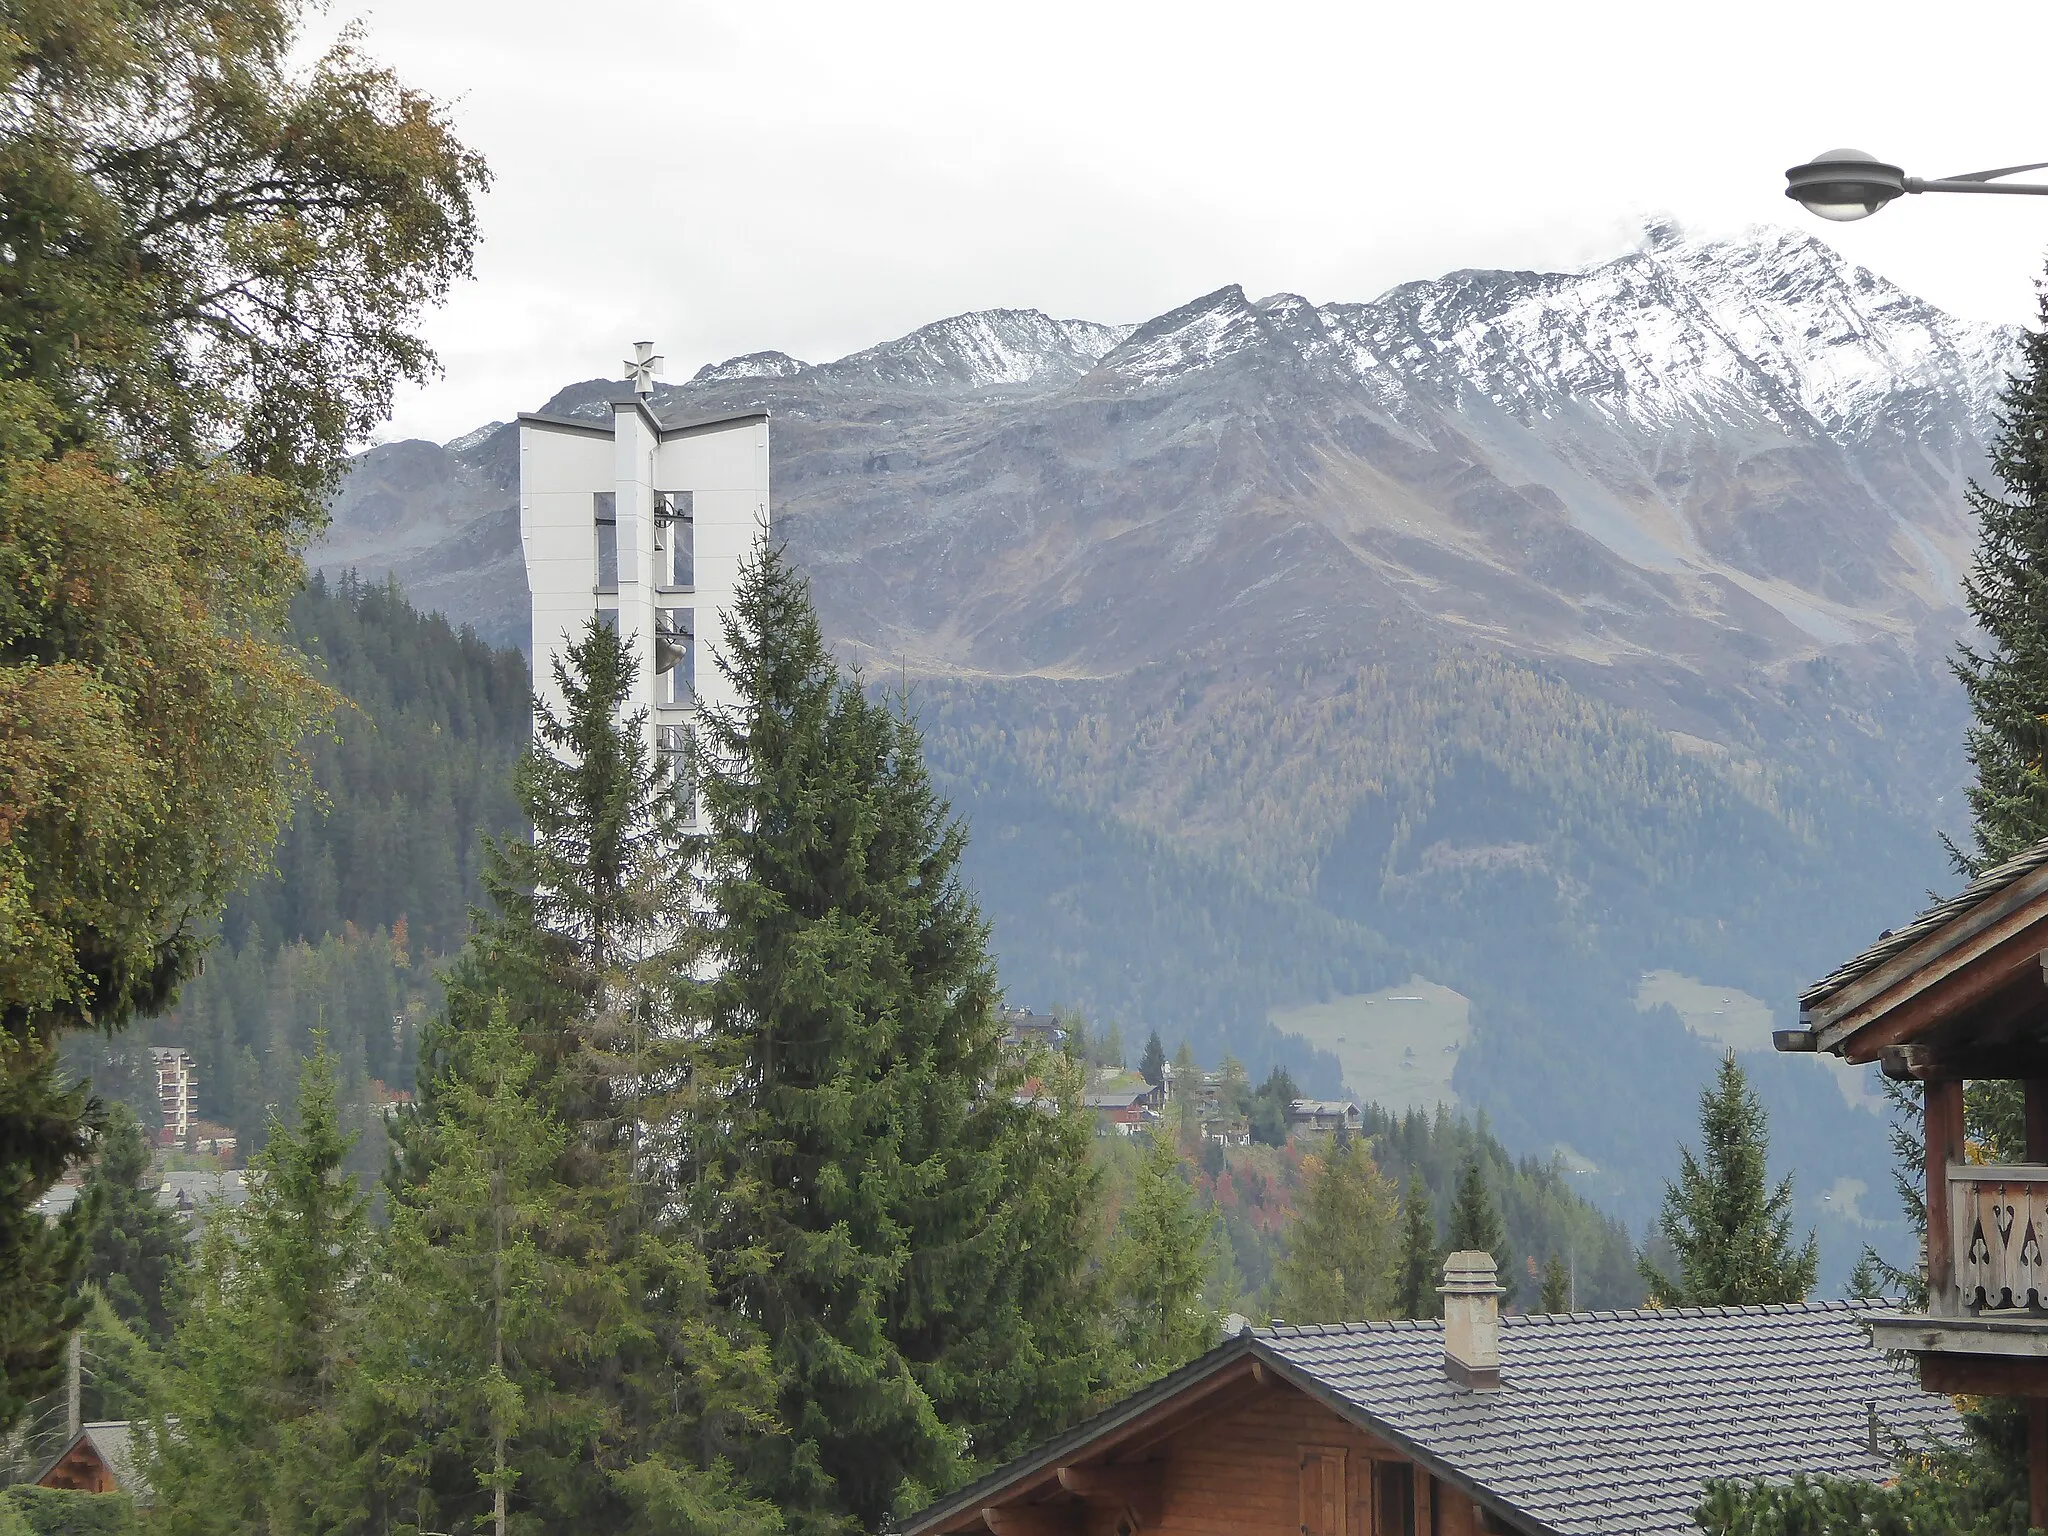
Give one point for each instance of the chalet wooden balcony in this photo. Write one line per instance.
(1986, 1324)
(1999, 1223)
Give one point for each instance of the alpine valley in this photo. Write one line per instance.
(1510, 690)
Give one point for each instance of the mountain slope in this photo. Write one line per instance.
(1530, 630)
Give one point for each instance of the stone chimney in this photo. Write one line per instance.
(1471, 1321)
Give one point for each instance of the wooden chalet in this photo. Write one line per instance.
(1327, 1115)
(1593, 1424)
(1961, 993)
(100, 1458)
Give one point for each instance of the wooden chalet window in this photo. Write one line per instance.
(1393, 1498)
(1324, 1499)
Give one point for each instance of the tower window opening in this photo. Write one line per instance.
(675, 538)
(605, 510)
(673, 743)
(675, 655)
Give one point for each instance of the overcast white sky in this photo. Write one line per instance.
(816, 177)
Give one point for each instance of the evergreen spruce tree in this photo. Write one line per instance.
(1158, 1264)
(1556, 1295)
(124, 1365)
(628, 1390)
(1476, 1224)
(1419, 1269)
(1152, 1065)
(581, 941)
(466, 1312)
(2007, 592)
(1731, 1232)
(495, 1273)
(39, 1260)
(135, 1249)
(248, 1434)
(913, 1242)
(1186, 1108)
(1341, 1254)
(1269, 1106)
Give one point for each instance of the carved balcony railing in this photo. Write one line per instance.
(1999, 1215)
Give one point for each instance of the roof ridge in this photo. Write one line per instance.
(1817, 1304)
(1746, 1309)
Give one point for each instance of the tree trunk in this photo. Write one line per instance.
(498, 1354)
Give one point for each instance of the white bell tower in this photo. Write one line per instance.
(647, 523)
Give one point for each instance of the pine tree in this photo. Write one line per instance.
(1186, 1108)
(467, 1303)
(1269, 1106)
(1731, 1232)
(1419, 1268)
(1476, 1225)
(1556, 1295)
(1341, 1255)
(1158, 1263)
(580, 941)
(2007, 593)
(913, 1242)
(248, 1434)
(39, 1260)
(627, 1388)
(135, 1249)
(1152, 1065)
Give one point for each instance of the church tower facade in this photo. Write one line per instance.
(644, 525)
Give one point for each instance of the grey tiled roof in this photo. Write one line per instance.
(1899, 940)
(1115, 1098)
(1609, 1423)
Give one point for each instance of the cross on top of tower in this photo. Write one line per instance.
(642, 366)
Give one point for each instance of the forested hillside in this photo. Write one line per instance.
(417, 764)
(1183, 853)
(372, 883)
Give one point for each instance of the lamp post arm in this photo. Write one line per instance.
(2021, 189)
(1980, 181)
(2010, 170)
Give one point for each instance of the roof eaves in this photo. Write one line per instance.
(585, 424)
(708, 423)
(1034, 1462)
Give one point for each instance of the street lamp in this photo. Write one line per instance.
(1845, 184)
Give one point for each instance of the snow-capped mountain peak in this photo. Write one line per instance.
(754, 365)
(1770, 327)
(966, 353)
(983, 349)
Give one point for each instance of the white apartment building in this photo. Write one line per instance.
(648, 524)
(177, 1092)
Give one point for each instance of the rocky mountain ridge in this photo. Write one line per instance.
(1532, 630)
